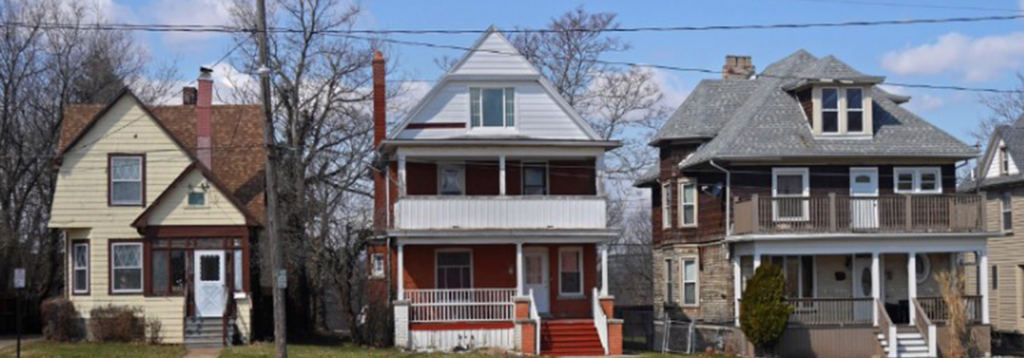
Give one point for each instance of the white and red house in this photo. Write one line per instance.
(491, 214)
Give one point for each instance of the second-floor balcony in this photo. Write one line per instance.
(834, 213)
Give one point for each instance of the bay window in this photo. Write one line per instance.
(669, 282)
(689, 276)
(687, 204)
(666, 205)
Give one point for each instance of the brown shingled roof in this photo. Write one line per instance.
(239, 157)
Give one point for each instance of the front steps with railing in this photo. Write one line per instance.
(909, 343)
(208, 332)
(570, 337)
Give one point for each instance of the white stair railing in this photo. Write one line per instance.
(600, 320)
(535, 316)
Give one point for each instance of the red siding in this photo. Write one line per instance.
(421, 178)
(483, 178)
(572, 177)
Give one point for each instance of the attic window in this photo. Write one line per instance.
(841, 111)
(1004, 161)
(492, 107)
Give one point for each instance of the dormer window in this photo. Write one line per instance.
(841, 111)
(492, 107)
(1004, 161)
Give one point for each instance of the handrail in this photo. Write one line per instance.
(461, 305)
(938, 311)
(925, 327)
(831, 311)
(600, 320)
(535, 316)
(887, 327)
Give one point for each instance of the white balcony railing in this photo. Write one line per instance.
(500, 212)
(461, 305)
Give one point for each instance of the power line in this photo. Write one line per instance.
(913, 5)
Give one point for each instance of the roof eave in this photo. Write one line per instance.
(806, 82)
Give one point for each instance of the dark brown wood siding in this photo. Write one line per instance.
(572, 177)
(421, 178)
(483, 178)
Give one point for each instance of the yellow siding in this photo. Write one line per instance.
(80, 204)
(174, 210)
(1007, 253)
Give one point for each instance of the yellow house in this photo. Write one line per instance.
(160, 207)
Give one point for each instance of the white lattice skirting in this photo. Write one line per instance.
(445, 341)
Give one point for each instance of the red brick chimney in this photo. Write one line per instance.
(203, 102)
(737, 67)
(380, 200)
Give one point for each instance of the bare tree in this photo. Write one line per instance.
(633, 281)
(42, 71)
(1006, 109)
(322, 93)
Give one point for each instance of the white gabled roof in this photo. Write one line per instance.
(493, 57)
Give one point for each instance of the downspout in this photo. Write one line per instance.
(728, 198)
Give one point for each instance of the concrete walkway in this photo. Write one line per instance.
(202, 353)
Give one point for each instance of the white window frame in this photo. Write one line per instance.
(547, 176)
(670, 285)
(114, 268)
(845, 118)
(1006, 206)
(917, 173)
(666, 205)
(805, 173)
(695, 282)
(579, 256)
(438, 252)
(441, 167)
(838, 110)
(141, 180)
(377, 259)
(75, 267)
(692, 183)
(504, 108)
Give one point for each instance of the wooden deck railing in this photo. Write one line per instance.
(832, 311)
(938, 311)
(834, 213)
(461, 305)
(886, 327)
(925, 327)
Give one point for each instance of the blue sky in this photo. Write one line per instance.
(969, 54)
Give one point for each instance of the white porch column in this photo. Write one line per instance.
(401, 272)
(519, 262)
(401, 175)
(604, 270)
(876, 286)
(757, 260)
(983, 284)
(599, 174)
(737, 284)
(912, 282)
(501, 179)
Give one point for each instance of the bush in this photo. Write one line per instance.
(764, 312)
(61, 321)
(155, 328)
(117, 324)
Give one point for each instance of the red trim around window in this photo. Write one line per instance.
(110, 266)
(88, 267)
(110, 157)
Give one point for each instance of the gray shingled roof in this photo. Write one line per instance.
(759, 118)
(1013, 138)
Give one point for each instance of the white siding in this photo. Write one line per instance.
(537, 115)
(993, 165)
(174, 210)
(495, 55)
(446, 340)
(500, 213)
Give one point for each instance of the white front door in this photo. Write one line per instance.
(862, 288)
(210, 285)
(864, 198)
(536, 277)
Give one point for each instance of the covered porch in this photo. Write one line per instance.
(878, 288)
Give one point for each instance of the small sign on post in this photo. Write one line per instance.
(282, 279)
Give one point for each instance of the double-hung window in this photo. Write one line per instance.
(687, 204)
(854, 110)
(126, 179)
(926, 180)
(126, 267)
(1004, 161)
(492, 107)
(669, 282)
(454, 269)
(666, 205)
(80, 266)
(689, 276)
(535, 178)
(377, 265)
(570, 271)
(830, 110)
(790, 191)
(1007, 203)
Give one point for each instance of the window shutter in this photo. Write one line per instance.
(474, 107)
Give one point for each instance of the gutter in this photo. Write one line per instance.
(728, 198)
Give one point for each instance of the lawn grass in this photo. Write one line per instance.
(261, 350)
(679, 355)
(45, 349)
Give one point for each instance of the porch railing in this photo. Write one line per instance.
(600, 319)
(461, 305)
(887, 328)
(925, 327)
(938, 311)
(832, 311)
(535, 316)
(834, 213)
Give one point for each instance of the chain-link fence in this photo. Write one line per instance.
(693, 337)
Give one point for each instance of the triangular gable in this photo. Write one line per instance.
(993, 144)
(171, 207)
(479, 62)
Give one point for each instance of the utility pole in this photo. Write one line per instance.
(280, 334)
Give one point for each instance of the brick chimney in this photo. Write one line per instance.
(737, 67)
(204, 100)
(380, 202)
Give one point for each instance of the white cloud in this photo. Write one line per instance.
(410, 94)
(976, 59)
(189, 12)
(672, 87)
